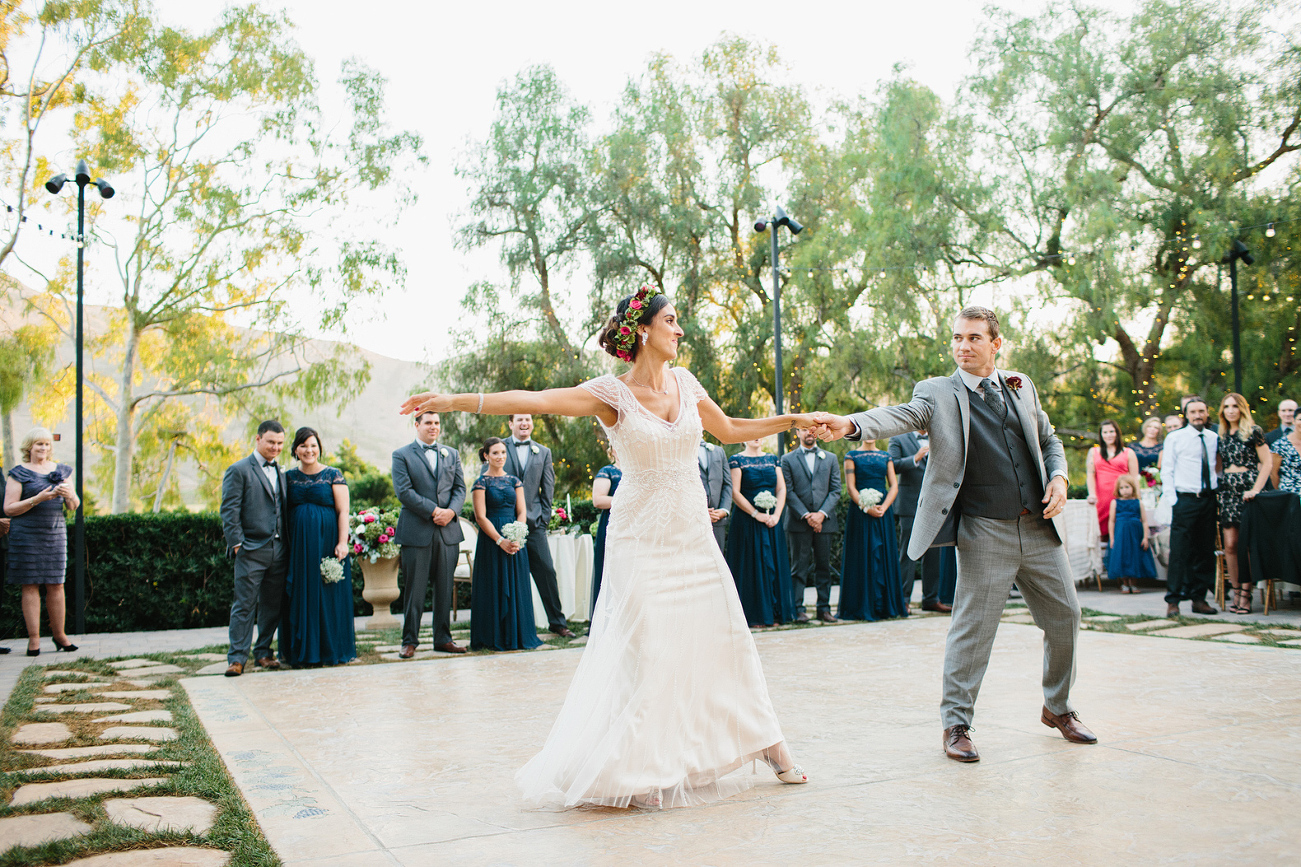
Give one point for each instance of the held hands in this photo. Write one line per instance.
(829, 428)
(716, 515)
(814, 520)
(427, 401)
(443, 517)
(1055, 497)
(64, 490)
(510, 547)
(922, 453)
(876, 511)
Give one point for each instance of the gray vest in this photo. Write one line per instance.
(994, 447)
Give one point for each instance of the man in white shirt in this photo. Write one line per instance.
(1189, 464)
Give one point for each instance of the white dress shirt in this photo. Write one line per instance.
(273, 476)
(522, 452)
(431, 455)
(810, 455)
(1181, 465)
(702, 456)
(973, 382)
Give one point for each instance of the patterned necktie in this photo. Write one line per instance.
(1206, 463)
(993, 399)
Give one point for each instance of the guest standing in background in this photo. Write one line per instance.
(869, 575)
(430, 484)
(530, 462)
(756, 546)
(812, 491)
(908, 453)
(1189, 463)
(1286, 421)
(254, 512)
(717, 479)
(1130, 557)
(1289, 472)
(501, 602)
(1148, 448)
(1103, 465)
(1245, 463)
(36, 493)
(317, 626)
(603, 488)
(1172, 422)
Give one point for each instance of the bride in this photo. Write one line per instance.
(669, 697)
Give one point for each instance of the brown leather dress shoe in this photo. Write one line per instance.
(828, 617)
(453, 647)
(562, 631)
(802, 617)
(1070, 726)
(937, 606)
(958, 745)
(1172, 609)
(1203, 608)
(235, 669)
(269, 663)
(407, 651)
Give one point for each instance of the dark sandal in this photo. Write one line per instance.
(1239, 598)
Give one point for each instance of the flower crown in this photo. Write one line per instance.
(625, 336)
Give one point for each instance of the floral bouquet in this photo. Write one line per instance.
(595, 528)
(331, 570)
(559, 519)
(869, 497)
(370, 533)
(765, 500)
(516, 531)
(1152, 476)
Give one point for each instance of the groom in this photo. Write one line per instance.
(994, 461)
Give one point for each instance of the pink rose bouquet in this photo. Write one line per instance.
(371, 533)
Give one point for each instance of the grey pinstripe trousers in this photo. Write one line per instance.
(993, 554)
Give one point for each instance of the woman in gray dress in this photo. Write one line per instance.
(35, 494)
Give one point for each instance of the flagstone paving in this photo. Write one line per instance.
(99, 765)
(88, 707)
(140, 716)
(154, 694)
(40, 828)
(144, 733)
(1151, 624)
(30, 793)
(42, 733)
(83, 752)
(175, 856)
(73, 687)
(163, 813)
(1199, 630)
(1238, 638)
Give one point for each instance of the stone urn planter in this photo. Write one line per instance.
(380, 589)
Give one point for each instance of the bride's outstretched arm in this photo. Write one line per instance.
(737, 430)
(552, 401)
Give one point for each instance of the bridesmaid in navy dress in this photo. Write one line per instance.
(869, 574)
(756, 544)
(317, 628)
(603, 488)
(501, 598)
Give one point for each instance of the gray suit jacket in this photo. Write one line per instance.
(717, 479)
(902, 449)
(420, 493)
(248, 505)
(816, 492)
(942, 407)
(1273, 436)
(539, 482)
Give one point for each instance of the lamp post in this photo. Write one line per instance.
(55, 186)
(778, 220)
(1237, 250)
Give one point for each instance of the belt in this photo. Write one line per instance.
(1196, 494)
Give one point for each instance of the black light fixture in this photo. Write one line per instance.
(1237, 250)
(55, 185)
(779, 218)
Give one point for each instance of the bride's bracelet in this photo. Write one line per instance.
(479, 411)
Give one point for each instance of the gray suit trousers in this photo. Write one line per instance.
(259, 587)
(422, 564)
(993, 554)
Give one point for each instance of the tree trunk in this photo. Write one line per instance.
(167, 471)
(124, 448)
(7, 434)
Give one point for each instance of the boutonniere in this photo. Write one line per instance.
(442, 453)
(821, 454)
(533, 449)
(709, 447)
(1014, 383)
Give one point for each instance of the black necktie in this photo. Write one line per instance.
(1206, 463)
(993, 399)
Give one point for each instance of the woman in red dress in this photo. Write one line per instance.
(1105, 464)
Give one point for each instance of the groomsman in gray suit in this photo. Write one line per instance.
(717, 479)
(812, 492)
(994, 464)
(253, 510)
(530, 462)
(430, 484)
(908, 453)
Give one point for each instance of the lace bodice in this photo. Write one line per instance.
(758, 473)
(657, 458)
(498, 496)
(313, 490)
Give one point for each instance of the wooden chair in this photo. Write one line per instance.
(1221, 566)
(464, 573)
(1267, 589)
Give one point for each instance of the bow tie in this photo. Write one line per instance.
(434, 447)
(522, 442)
(269, 465)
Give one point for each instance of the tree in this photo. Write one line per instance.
(219, 137)
(25, 356)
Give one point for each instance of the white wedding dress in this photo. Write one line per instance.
(669, 694)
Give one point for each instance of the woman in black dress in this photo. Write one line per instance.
(35, 494)
(1246, 462)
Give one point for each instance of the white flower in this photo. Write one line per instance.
(533, 449)
(516, 532)
(869, 497)
(331, 570)
(442, 453)
(709, 447)
(765, 500)
(821, 454)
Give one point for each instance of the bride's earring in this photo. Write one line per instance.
(644, 337)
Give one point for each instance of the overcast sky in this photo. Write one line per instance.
(445, 62)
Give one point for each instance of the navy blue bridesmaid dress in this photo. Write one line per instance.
(501, 599)
(317, 628)
(613, 473)
(1127, 558)
(869, 574)
(756, 553)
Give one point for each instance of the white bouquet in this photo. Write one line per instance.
(765, 500)
(516, 531)
(869, 497)
(331, 570)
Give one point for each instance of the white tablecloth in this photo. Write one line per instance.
(1078, 527)
(573, 558)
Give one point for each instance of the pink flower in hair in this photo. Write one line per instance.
(634, 304)
(625, 330)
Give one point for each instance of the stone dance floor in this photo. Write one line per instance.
(1199, 760)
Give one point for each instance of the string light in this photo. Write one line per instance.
(1269, 231)
(1197, 242)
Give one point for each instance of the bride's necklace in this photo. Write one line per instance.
(634, 381)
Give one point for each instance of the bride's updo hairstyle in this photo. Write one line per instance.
(487, 447)
(620, 335)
